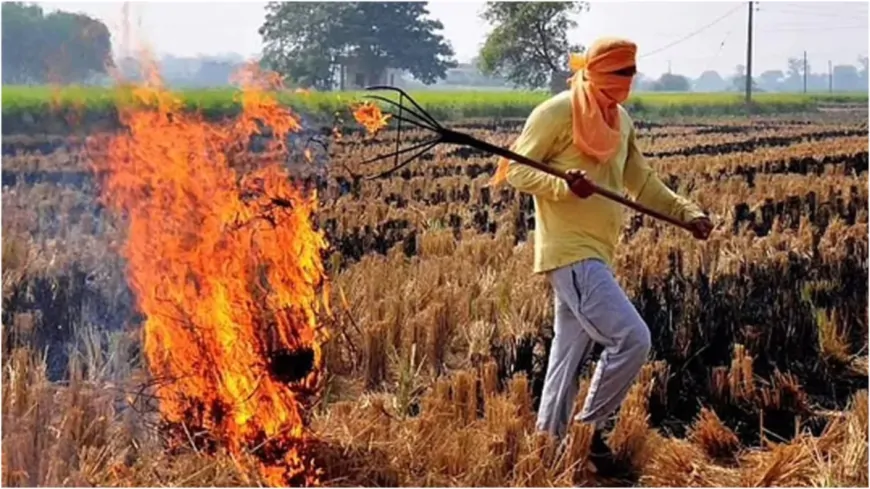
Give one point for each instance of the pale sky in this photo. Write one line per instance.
(829, 31)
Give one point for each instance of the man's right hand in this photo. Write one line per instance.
(579, 184)
(701, 227)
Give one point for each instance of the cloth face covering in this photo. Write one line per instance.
(596, 92)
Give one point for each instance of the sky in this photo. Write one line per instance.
(686, 37)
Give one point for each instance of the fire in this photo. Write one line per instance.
(369, 116)
(226, 266)
(501, 173)
(576, 62)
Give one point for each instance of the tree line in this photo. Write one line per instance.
(341, 45)
(841, 78)
(60, 47)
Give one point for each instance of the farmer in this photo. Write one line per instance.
(585, 132)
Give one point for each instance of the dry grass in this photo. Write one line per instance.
(416, 398)
(712, 436)
(833, 340)
(93, 431)
(435, 358)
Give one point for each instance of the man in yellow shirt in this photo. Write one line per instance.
(586, 133)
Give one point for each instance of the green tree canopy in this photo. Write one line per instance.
(738, 81)
(862, 73)
(60, 47)
(529, 41)
(307, 41)
(672, 83)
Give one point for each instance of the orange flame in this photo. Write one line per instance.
(225, 266)
(370, 116)
(501, 173)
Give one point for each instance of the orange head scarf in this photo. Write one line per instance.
(596, 91)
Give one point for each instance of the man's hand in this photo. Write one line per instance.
(701, 227)
(579, 184)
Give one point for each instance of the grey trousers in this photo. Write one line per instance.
(590, 307)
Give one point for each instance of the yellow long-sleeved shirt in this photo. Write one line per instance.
(567, 228)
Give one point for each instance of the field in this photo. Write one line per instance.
(29, 109)
(438, 333)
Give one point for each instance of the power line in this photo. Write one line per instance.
(814, 7)
(806, 9)
(810, 15)
(714, 58)
(817, 15)
(765, 57)
(692, 34)
(764, 61)
(814, 28)
(838, 15)
(817, 23)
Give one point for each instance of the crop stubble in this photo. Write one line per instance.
(440, 332)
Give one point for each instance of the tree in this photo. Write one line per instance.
(60, 47)
(672, 83)
(710, 81)
(862, 74)
(738, 81)
(301, 40)
(77, 46)
(309, 41)
(215, 72)
(847, 78)
(771, 80)
(641, 83)
(529, 43)
(21, 43)
(796, 67)
(795, 74)
(398, 35)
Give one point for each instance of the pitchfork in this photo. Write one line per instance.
(423, 120)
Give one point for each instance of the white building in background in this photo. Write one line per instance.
(354, 75)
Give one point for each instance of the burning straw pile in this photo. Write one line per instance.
(225, 265)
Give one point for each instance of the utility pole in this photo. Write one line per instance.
(830, 78)
(749, 57)
(805, 72)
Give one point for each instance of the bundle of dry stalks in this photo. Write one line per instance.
(492, 442)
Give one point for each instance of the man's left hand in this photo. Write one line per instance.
(579, 184)
(701, 227)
